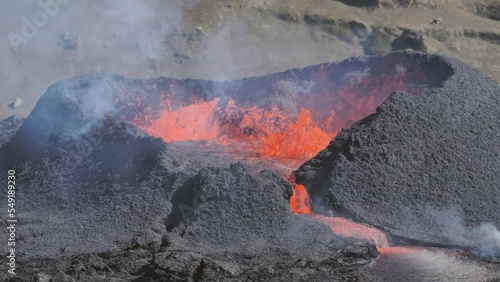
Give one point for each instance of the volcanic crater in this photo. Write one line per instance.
(222, 171)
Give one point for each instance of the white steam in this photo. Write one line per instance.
(487, 237)
(484, 239)
(109, 36)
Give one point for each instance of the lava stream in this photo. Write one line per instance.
(266, 133)
(347, 228)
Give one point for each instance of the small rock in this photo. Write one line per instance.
(323, 268)
(356, 251)
(297, 272)
(229, 267)
(362, 261)
(166, 241)
(289, 17)
(44, 277)
(249, 254)
(301, 263)
(16, 104)
(68, 42)
(410, 39)
(437, 21)
(79, 267)
(98, 263)
(181, 57)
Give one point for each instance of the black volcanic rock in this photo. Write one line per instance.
(88, 181)
(423, 167)
(9, 127)
(101, 199)
(100, 183)
(109, 187)
(93, 189)
(212, 210)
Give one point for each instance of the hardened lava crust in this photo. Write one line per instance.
(99, 198)
(423, 167)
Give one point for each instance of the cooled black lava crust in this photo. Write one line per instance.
(424, 167)
(99, 198)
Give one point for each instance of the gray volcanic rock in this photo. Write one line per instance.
(9, 127)
(104, 191)
(99, 198)
(89, 181)
(236, 208)
(81, 163)
(423, 167)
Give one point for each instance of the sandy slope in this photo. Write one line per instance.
(224, 39)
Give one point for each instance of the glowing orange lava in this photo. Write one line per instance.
(194, 122)
(300, 139)
(398, 250)
(268, 132)
(285, 134)
(300, 201)
(348, 228)
(278, 120)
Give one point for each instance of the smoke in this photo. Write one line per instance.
(46, 41)
(147, 39)
(96, 102)
(255, 42)
(446, 225)
(487, 237)
(219, 52)
(484, 239)
(120, 32)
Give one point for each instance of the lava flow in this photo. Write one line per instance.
(263, 133)
(348, 228)
(250, 131)
(283, 126)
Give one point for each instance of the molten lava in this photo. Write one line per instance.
(300, 201)
(265, 132)
(348, 228)
(290, 136)
(194, 122)
(298, 140)
(281, 120)
(287, 130)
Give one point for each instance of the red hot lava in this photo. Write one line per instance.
(258, 132)
(284, 128)
(348, 228)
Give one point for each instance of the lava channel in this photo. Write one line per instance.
(267, 134)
